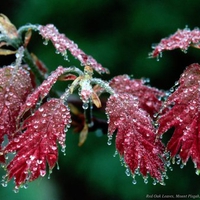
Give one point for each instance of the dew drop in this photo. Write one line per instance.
(145, 180)
(41, 109)
(170, 168)
(178, 161)
(45, 42)
(181, 166)
(109, 142)
(63, 149)
(49, 175)
(32, 157)
(4, 183)
(197, 172)
(16, 139)
(115, 154)
(134, 181)
(127, 172)
(66, 57)
(85, 106)
(162, 183)
(58, 167)
(122, 161)
(28, 103)
(154, 182)
(166, 177)
(39, 162)
(25, 185)
(137, 171)
(42, 173)
(16, 189)
(57, 52)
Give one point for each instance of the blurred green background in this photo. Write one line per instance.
(119, 35)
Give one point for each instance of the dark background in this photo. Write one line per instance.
(118, 34)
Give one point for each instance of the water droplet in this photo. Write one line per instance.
(109, 142)
(49, 175)
(58, 167)
(145, 180)
(16, 139)
(28, 103)
(66, 57)
(39, 162)
(181, 166)
(45, 42)
(127, 172)
(16, 189)
(2, 127)
(154, 182)
(170, 168)
(41, 109)
(54, 147)
(26, 185)
(4, 183)
(63, 149)
(115, 154)
(162, 183)
(42, 173)
(85, 106)
(134, 181)
(57, 52)
(32, 157)
(137, 171)
(197, 171)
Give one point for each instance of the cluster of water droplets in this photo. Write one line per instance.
(109, 142)
(136, 173)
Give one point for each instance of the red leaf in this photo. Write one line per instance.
(136, 139)
(148, 96)
(37, 143)
(182, 39)
(42, 91)
(62, 43)
(15, 85)
(184, 116)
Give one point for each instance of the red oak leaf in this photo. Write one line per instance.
(182, 39)
(62, 44)
(184, 116)
(136, 139)
(37, 143)
(42, 90)
(15, 85)
(149, 97)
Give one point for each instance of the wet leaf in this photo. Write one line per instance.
(62, 44)
(15, 85)
(181, 39)
(149, 97)
(36, 145)
(136, 139)
(184, 116)
(42, 91)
